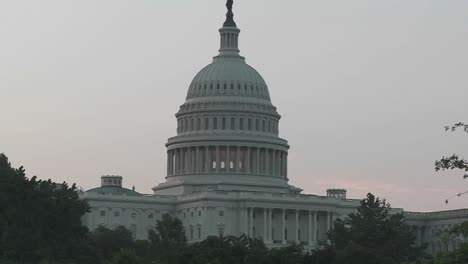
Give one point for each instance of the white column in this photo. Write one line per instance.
(280, 164)
(273, 165)
(218, 163)
(228, 159)
(310, 227)
(315, 226)
(328, 220)
(247, 161)
(208, 162)
(252, 210)
(237, 165)
(286, 165)
(168, 163)
(267, 162)
(265, 225)
(270, 226)
(297, 226)
(246, 221)
(257, 161)
(283, 238)
(197, 160)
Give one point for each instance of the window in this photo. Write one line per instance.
(263, 125)
(221, 213)
(199, 232)
(285, 234)
(299, 234)
(116, 213)
(198, 124)
(269, 126)
(220, 231)
(191, 124)
(103, 213)
(241, 123)
(215, 123)
(286, 217)
(191, 233)
(233, 122)
(199, 213)
(249, 124)
(256, 125)
(223, 124)
(191, 214)
(207, 123)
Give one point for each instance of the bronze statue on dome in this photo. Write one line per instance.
(229, 16)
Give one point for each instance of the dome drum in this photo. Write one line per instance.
(232, 160)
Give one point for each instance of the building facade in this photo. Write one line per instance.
(227, 168)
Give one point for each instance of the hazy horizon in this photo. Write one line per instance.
(364, 87)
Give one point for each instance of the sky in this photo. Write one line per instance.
(364, 87)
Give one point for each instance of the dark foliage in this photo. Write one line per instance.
(107, 241)
(40, 220)
(372, 235)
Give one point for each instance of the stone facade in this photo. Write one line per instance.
(227, 169)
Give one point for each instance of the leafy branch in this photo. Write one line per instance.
(456, 126)
(454, 162)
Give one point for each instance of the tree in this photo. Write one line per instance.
(108, 241)
(373, 235)
(40, 220)
(230, 249)
(169, 240)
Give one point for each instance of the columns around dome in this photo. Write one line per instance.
(227, 159)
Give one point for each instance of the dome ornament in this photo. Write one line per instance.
(229, 16)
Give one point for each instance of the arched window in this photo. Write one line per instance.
(241, 123)
(191, 124)
(207, 123)
(249, 124)
(223, 124)
(215, 123)
(263, 126)
(256, 125)
(198, 123)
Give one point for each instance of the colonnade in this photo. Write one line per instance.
(227, 159)
(273, 231)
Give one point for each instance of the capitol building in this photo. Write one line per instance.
(227, 170)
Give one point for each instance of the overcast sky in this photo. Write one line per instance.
(364, 87)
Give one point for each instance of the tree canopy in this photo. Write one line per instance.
(39, 219)
(373, 235)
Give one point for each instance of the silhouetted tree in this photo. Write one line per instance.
(168, 241)
(373, 235)
(40, 220)
(110, 241)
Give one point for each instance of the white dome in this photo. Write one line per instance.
(228, 76)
